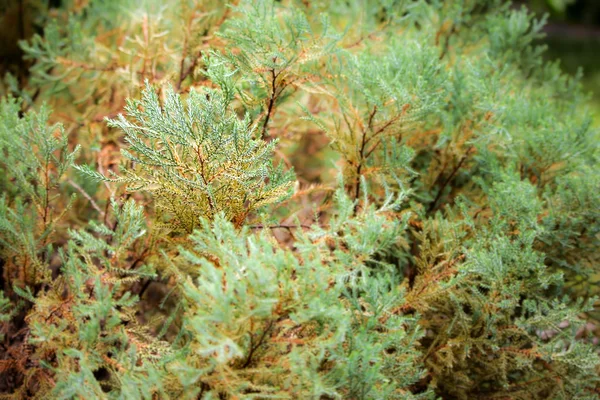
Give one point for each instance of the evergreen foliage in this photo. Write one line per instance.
(35, 158)
(199, 159)
(448, 247)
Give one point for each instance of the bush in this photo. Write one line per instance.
(337, 199)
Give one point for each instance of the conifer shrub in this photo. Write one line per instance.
(163, 233)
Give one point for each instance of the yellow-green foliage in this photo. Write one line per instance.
(198, 159)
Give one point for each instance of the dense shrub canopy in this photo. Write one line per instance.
(359, 199)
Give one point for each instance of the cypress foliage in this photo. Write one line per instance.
(199, 159)
(163, 235)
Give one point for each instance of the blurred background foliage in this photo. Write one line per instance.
(572, 34)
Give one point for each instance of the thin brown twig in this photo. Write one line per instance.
(281, 226)
(271, 102)
(87, 196)
(361, 153)
(255, 346)
(369, 36)
(447, 181)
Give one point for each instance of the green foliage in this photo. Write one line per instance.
(310, 323)
(455, 256)
(34, 159)
(500, 304)
(199, 159)
(85, 54)
(5, 311)
(275, 52)
(375, 107)
(85, 326)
